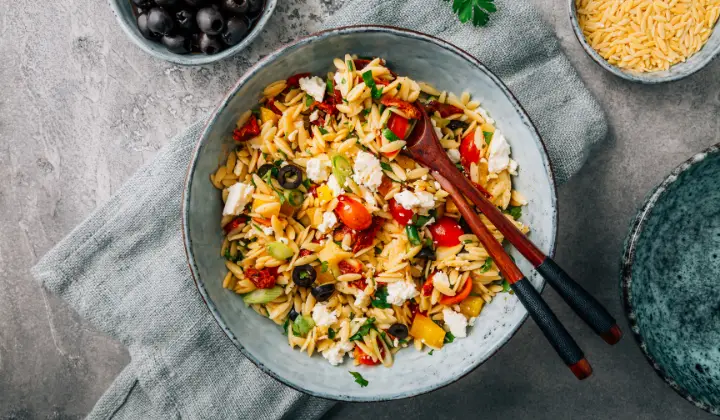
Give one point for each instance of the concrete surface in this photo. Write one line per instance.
(81, 108)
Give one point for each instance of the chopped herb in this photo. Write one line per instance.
(322, 130)
(378, 250)
(268, 180)
(309, 100)
(460, 167)
(382, 108)
(386, 166)
(330, 86)
(430, 353)
(282, 154)
(278, 162)
(331, 333)
(380, 300)
(488, 136)
(285, 326)
(506, 286)
(467, 241)
(401, 342)
(476, 10)
(306, 183)
(390, 135)
(383, 335)
(303, 275)
(421, 221)
(359, 379)
(428, 242)
(324, 265)
(352, 316)
(514, 211)
(343, 81)
(364, 330)
(227, 254)
(350, 65)
(412, 234)
(449, 337)
(487, 265)
(345, 101)
(370, 82)
(256, 112)
(258, 227)
(366, 112)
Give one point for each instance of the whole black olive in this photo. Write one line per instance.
(210, 44)
(455, 124)
(196, 3)
(255, 5)
(185, 19)
(166, 2)
(398, 330)
(426, 253)
(293, 314)
(145, 4)
(235, 6)
(159, 21)
(235, 30)
(290, 177)
(176, 43)
(323, 292)
(210, 20)
(304, 275)
(143, 28)
(464, 225)
(264, 169)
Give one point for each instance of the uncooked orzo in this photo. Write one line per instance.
(339, 238)
(647, 35)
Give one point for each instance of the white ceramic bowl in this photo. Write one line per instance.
(422, 58)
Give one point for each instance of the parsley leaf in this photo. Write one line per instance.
(322, 130)
(430, 353)
(331, 333)
(285, 326)
(370, 82)
(488, 136)
(487, 265)
(325, 266)
(330, 86)
(359, 379)
(380, 300)
(449, 337)
(309, 100)
(506, 286)
(514, 211)
(364, 330)
(460, 167)
(390, 135)
(476, 10)
(386, 166)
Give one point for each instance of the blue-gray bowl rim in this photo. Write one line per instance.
(194, 59)
(628, 258)
(257, 67)
(633, 77)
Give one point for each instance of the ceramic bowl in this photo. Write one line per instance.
(676, 72)
(422, 58)
(125, 16)
(669, 284)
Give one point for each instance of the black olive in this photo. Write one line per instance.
(235, 31)
(304, 275)
(185, 19)
(159, 21)
(176, 43)
(455, 124)
(323, 292)
(166, 2)
(255, 5)
(235, 6)
(263, 170)
(398, 330)
(143, 28)
(210, 20)
(464, 225)
(210, 44)
(145, 4)
(290, 177)
(426, 253)
(293, 314)
(196, 3)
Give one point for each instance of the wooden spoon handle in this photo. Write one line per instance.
(540, 312)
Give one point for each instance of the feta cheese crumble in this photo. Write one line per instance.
(239, 195)
(456, 322)
(314, 86)
(318, 168)
(368, 171)
(329, 220)
(423, 201)
(335, 186)
(362, 300)
(369, 198)
(454, 155)
(322, 316)
(499, 155)
(400, 291)
(441, 281)
(315, 115)
(336, 354)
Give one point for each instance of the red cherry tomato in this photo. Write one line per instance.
(398, 125)
(364, 359)
(400, 213)
(446, 232)
(353, 213)
(469, 151)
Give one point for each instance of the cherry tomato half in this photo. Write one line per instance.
(446, 232)
(469, 151)
(353, 213)
(400, 213)
(364, 359)
(398, 125)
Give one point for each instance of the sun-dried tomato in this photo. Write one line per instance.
(304, 253)
(360, 284)
(365, 238)
(250, 129)
(445, 110)
(385, 186)
(270, 104)
(347, 267)
(427, 287)
(415, 309)
(406, 107)
(235, 223)
(294, 80)
(262, 279)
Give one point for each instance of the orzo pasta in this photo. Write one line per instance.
(340, 239)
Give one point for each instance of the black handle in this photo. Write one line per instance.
(554, 331)
(583, 303)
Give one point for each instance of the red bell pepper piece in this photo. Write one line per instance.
(247, 131)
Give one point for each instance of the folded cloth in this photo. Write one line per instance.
(124, 269)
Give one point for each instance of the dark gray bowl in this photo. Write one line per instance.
(670, 279)
(124, 14)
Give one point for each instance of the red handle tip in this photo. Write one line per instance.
(613, 335)
(581, 369)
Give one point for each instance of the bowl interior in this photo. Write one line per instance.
(670, 285)
(678, 71)
(124, 13)
(424, 59)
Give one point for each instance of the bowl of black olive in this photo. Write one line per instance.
(192, 32)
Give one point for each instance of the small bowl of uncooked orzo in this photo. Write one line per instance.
(648, 41)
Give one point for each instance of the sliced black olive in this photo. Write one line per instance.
(304, 275)
(290, 177)
(427, 253)
(398, 330)
(464, 225)
(263, 170)
(323, 292)
(293, 314)
(455, 124)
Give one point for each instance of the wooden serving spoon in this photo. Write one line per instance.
(424, 147)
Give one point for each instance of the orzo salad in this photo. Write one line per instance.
(335, 235)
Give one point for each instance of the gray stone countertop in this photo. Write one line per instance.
(81, 109)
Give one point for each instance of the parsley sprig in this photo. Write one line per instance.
(476, 10)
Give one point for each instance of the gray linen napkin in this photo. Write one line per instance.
(124, 268)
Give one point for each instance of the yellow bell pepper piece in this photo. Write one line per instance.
(324, 193)
(267, 115)
(427, 332)
(471, 306)
(267, 210)
(333, 254)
